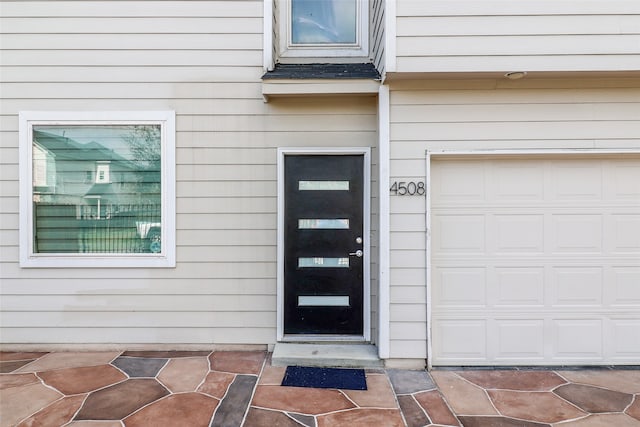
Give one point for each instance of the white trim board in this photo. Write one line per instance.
(390, 20)
(267, 47)
(384, 227)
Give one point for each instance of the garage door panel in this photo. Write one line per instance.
(577, 286)
(625, 232)
(625, 335)
(461, 287)
(518, 233)
(554, 233)
(517, 181)
(535, 261)
(551, 339)
(625, 286)
(519, 286)
(459, 182)
(459, 233)
(577, 233)
(469, 341)
(519, 339)
(577, 339)
(571, 180)
(623, 181)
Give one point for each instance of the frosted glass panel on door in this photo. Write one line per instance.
(323, 224)
(323, 301)
(323, 262)
(323, 185)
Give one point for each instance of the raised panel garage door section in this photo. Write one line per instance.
(535, 260)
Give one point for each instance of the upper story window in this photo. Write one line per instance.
(71, 217)
(323, 28)
(103, 176)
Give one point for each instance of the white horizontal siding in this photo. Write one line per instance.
(159, 286)
(123, 90)
(156, 319)
(535, 63)
(129, 74)
(517, 25)
(134, 42)
(202, 59)
(502, 7)
(483, 114)
(144, 9)
(237, 188)
(548, 45)
(232, 205)
(502, 36)
(123, 336)
(130, 25)
(37, 57)
(538, 130)
(604, 111)
(184, 271)
(206, 303)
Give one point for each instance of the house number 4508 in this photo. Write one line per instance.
(407, 188)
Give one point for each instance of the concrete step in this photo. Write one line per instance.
(326, 355)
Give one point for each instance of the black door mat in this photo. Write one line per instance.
(303, 376)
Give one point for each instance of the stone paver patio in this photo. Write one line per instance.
(229, 388)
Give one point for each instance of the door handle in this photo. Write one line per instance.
(357, 253)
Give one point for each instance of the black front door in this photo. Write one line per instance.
(323, 250)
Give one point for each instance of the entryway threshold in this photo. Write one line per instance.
(326, 355)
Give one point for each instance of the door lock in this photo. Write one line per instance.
(358, 239)
(357, 253)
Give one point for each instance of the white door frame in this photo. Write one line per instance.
(488, 153)
(366, 203)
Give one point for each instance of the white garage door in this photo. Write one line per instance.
(535, 261)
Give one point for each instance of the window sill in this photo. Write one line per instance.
(288, 80)
(93, 261)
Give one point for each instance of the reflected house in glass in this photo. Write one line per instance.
(80, 190)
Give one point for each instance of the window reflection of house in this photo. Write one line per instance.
(43, 168)
(77, 184)
(62, 167)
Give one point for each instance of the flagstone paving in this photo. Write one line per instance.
(232, 388)
(542, 398)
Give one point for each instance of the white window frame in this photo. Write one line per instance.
(166, 119)
(287, 49)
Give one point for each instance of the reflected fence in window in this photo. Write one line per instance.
(97, 229)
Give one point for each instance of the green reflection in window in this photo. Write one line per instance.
(97, 188)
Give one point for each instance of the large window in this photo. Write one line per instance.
(323, 28)
(97, 189)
